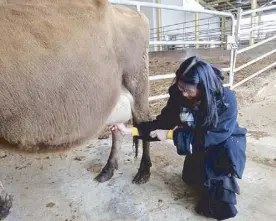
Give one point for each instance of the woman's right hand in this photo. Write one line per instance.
(122, 128)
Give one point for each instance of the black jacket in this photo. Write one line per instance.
(169, 116)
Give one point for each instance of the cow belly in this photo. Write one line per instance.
(122, 111)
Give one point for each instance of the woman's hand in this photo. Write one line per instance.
(159, 134)
(122, 128)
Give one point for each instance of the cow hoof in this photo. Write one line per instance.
(104, 176)
(141, 177)
(5, 205)
(107, 172)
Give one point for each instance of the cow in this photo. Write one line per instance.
(68, 69)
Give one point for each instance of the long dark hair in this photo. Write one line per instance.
(209, 81)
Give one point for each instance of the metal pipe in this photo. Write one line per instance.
(259, 24)
(226, 85)
(172, 75)
(164, 96)
(252, 21)
(159, 23)
(185, 42)
(254, 75)
(255, 60)
(254, 28)
(223, 29)
(232, 68)
(159, 97)
(248, 25)
(256, 45)
(225, 69)
(171, 7)
(161, 77)
(197, 27)
(259, 10)
(165, 26)
(233, 54)
(214, 31)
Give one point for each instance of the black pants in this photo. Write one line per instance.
(218, 192)
(193, 170)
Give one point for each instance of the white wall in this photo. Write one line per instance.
(187, 29)
(149, 12)
(172, 17)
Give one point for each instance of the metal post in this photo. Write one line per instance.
(197, 27)
(159, 24)
(222, 28)
(253, 20)
(235, 49)
(208, 34)
(183, 31)
(259, 24)
(155, 27)
(184, 26)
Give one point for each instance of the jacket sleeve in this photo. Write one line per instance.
(166, 120)
(227, 122)
(183, 139)
(162, 121)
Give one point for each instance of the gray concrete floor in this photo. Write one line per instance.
(57, 187)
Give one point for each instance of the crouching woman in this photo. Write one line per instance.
(201, 118)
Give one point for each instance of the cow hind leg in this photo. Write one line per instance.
(143, 173)
(112, 163)
(5, 203)
(140, 112)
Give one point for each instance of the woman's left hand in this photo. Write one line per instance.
(159, 134)
(122, 128)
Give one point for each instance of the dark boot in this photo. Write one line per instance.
(216, 209)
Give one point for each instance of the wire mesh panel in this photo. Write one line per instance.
(191, 27)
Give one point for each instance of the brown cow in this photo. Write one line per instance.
(67, 69)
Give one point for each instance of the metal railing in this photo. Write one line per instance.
(250, 30)
(208, 29)
(233, 38)
(138, 6)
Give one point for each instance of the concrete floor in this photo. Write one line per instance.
(60, 186)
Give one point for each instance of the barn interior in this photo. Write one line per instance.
(61, 187)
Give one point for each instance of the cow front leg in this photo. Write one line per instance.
(112, 163)
(5, 203)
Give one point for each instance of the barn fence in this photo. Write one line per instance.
(270, 35)
(229, 37)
